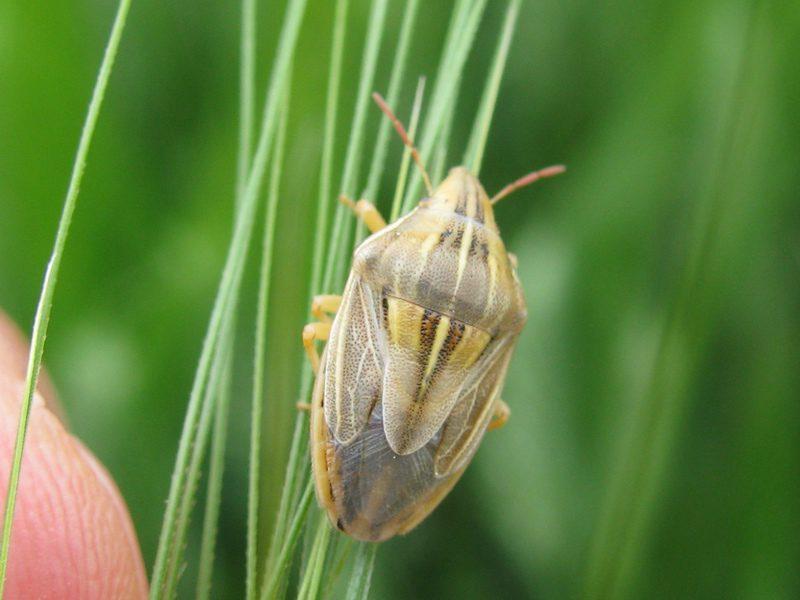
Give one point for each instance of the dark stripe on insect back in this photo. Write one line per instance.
(427, 330)
(459, 238)
(427, 334)
(385, 309)
(478, 210)
(469, 202)
(461, 205)
(478, 247)
(446, 233)
(455, 333)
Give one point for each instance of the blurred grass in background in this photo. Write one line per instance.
(653, 444)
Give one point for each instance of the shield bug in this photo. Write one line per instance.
(416, 355)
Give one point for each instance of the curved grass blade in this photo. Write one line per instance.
(228, 290)
(42, 318)
(337, 562)
(273, 581)
(480, 131)
(331, 110)
(395, 81)
(287, 493)
(247, 77)
(440, 153)
(642, 459)
(294, 465)
(338, 246)
(211, 402)
(219, 434)
(454, 55)
(382, 141)
(311, 578)
(259, 352)
(362, 572)
(406, 160)
(216, 470)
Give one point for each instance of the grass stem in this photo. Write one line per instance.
(44, 307)
(228, 290)
(259, 352)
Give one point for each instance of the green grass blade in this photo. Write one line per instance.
(228, 289)
(219, 434)
(395, 82)
(437, 158)
(259, 353)
(454, 55)
(247, 77)
(439, 162)
(295, 465)
(325, 254)
(382, 141)
(44, 307)
(406, 160)
(362, 572)
(641, 463)
(287, 493)
(477, 141)
(331, 109)
(215, 474)
(273, 582)
(338, 245)
(311, 578)
(210, 402)
(337, 562)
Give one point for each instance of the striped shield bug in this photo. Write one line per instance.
(416, 355)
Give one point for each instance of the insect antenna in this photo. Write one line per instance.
(404, 136)
(527, 180)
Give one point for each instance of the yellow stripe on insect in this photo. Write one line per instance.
(442, 330)
(405, 319)
(466, 240)
(469, 349)
(463, 253)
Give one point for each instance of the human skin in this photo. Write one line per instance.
(72, 535)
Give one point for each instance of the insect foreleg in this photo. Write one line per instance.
(365, 210)
(324, 305)
(319, 330)
(500, 416)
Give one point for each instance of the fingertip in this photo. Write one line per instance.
(72, 535)
(14, 350)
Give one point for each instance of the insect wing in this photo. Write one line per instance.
(464, 428)
(354, 362)
(430, 356)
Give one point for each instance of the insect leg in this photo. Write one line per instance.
(324, 305)
(365, 210)
(319, 330)
(500, 416)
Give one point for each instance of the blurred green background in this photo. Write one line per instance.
(656, 386)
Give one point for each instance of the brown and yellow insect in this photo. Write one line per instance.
(416, 357)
